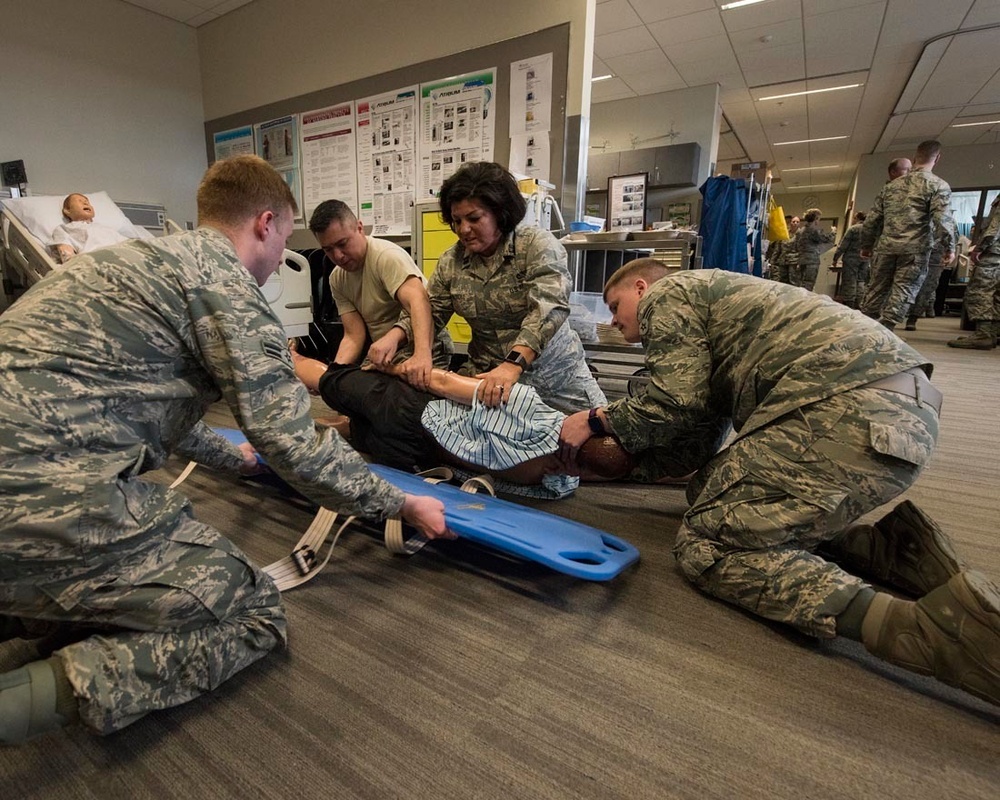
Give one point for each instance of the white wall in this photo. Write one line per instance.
(102, 95)
(271, 50)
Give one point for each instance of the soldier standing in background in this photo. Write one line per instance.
(982, 295)
(148, 334)
(909, 215)
(809, 241)
(785, 254)
(854, 273)
(775, 248)
(898, 168)
(834, 416)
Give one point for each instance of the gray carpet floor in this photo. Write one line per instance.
(459, 673)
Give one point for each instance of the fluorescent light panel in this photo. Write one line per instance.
(803, 169)
(970, 124)
(804, 141)
(740, 4)
(601, 78)
(810, 185)
(810, 91)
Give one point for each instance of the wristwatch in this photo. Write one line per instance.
(514, 357)
(594, 421)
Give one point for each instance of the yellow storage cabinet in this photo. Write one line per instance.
(432, 237)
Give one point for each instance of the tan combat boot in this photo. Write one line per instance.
(953, 634)
(985, 338)
(905, 549)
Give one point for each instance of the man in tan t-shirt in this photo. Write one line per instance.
(373, 282)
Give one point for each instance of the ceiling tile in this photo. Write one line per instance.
(984, 12)
(966, 67)
(615, 15)
(814, 7)
(688, 28)
(643, 61)
(845, 40)
(920, 20)
(180, 10)
(770, 13)
(654, 81)
(620, 43)
(990, 93)
(655, 10)
(712, 48)
(777, 64)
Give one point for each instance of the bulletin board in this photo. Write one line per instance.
(499, 56)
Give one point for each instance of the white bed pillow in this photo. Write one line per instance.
(42, 214)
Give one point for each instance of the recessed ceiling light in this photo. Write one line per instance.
(803, 141)
(601, 78)
(970, 124)
(802, 169)
(739, 4)
(810, 91)
(810, 185)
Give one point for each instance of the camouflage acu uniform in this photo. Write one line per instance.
(925, 297)
(982, 296)
(854, 272)
(782, 258)
(910, 213)
(815, 447)
(809, 240)
(517, 296)
(106, 368)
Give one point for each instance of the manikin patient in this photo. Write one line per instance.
(516, 442)
(80, 234)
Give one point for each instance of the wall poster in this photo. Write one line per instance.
(387, 147)
(457, 125)
(329, 157)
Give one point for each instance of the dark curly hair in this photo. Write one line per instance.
(487, 183)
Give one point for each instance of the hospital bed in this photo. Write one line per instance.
(27, 224)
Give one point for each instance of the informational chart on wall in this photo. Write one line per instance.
(387, 139)
(278, 144)
(329, 157)
(457, 125)
(237, 142)
(531, 116)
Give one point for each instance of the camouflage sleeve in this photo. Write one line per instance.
(208, 448)
(680, 364)
(872, 227)
(548, 291)
(945, 231)
(244, 349)
(993, 223)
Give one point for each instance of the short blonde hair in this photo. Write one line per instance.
(649, 269)
(240, 188)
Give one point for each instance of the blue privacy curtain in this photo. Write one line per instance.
(723, 226)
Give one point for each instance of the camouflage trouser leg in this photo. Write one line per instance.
(807, 275)
(852, 281)
(879, 283)
(761, 507)
(982, 296)
(894, 286)
(781, 273)
(561, 375)
(924, 301)
(795, 276)
(187, 616)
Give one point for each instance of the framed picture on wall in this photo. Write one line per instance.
(627, 202)
(679, 214)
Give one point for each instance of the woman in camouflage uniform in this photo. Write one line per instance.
(511, 284)
(809, 243)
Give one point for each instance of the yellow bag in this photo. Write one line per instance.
(777, 230)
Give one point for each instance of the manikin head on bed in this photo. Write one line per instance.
(77, 208)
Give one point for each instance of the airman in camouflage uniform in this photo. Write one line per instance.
(982, 295)
(908, 216)
(833, 417)
(809, 241)
(106, 368)
(854, 273)
(783, 255)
